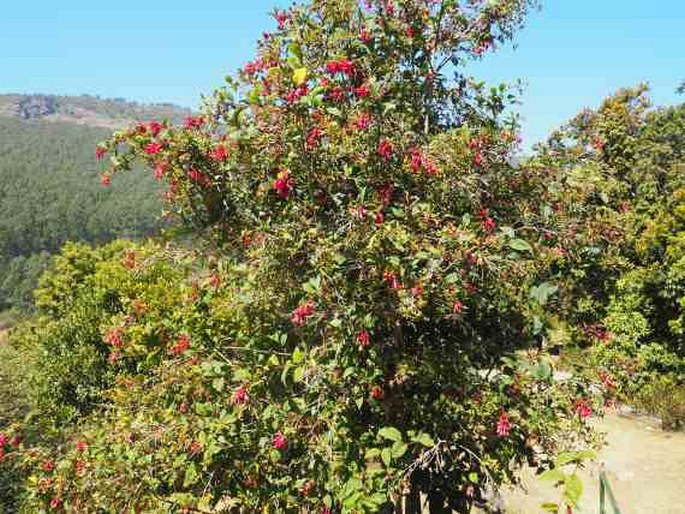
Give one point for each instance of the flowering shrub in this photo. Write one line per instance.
(370, 312)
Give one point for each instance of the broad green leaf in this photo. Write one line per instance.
(425, 440)
(398, 449)
(520, 245)
(553, 475)
(386, 456)
(573, 489)
(390, 433)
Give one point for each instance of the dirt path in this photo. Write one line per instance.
(645, 466)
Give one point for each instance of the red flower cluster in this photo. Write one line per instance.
(391, 278)
(297, 93)
(240, 396)
(283, 185)
(362, 91)
(48, 466)
(105, 180)
(386, 149)
(341, 66)
(193, 122)
(363, 121)
(302, 313)
(154, 148)
(503, 425)
(421, 161)
(160, 170)
(363, 338)
(114, 337)
(314, 137)
(279, 441)
(200, 178)
(219, 154)
(181, 345)
(385, 193)
(282, 18)
(100, 153)
(583, 409)
(81, 446)
(377, 393)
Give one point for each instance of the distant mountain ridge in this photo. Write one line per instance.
(87, 110)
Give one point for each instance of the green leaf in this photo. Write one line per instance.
(574, 489)
(218, 384)
(425, 440)
(298, 356)
(520, 245)
(542, 292)
(398, 449)
(190, 475)
(550, 507)
(298, 374)
(553, 475)
(390, 433)
(386, 456)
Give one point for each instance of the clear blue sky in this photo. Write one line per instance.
(571, 54)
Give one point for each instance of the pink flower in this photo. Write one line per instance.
(197, 176)
(337, 94)
(181, 345)
(503, 425)
(344, 66)
(100, 153)
(281, 17)
(302, 313)
(195, 448)
(478, 159)
(79, 467)
(379, 218)
(155, 128)
(363, 121)
(81, 446)
(160, 169)
(385, 193)
(392, 279)
(55, 503)
(314, 137)
(114, 337)
(489, 224)
(457, 307)
(363, 338)
(279, 441)
(416, 160)
(3, 439)
(362, 91)
(386, 149)
(193, 122)
(283, 185)
(48, 466)
(240, 396)
(154, 148)
(377, 393)
(105, 180)
(583, 409)
(219, 154)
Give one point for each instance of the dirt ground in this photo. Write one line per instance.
(645, 467)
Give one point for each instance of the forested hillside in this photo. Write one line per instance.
(49, 187)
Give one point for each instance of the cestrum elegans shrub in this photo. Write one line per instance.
(369, 316)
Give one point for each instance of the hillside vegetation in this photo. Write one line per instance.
(49, 187)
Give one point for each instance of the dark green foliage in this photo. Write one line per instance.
(50, 194)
